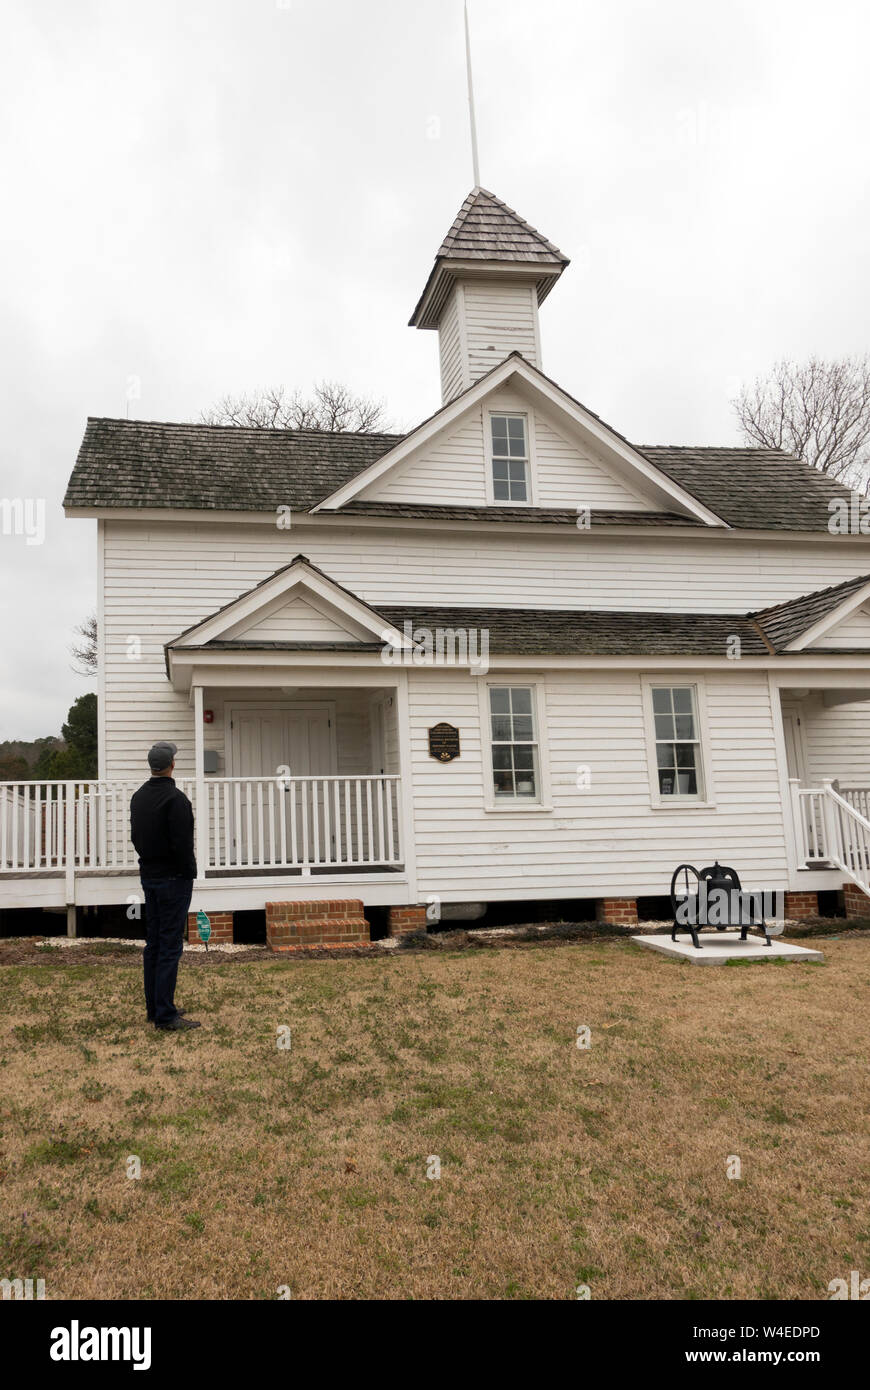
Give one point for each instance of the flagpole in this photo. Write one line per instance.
(474, 158)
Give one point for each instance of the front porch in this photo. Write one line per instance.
(297, 781)
(297, 791)
(67, 843)
(826, 744)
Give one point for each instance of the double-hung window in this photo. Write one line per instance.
(514, 743)
(679, 764)
(510, 458)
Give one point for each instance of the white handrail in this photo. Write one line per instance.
(831, 831)
(857, 795)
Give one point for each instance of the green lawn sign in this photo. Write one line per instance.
(203, 927)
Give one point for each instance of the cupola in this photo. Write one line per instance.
(491, 273)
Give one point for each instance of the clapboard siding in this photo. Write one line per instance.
(161, 577)
(605, 839)
(450, 472)
(837, 741)
(296, 621)
(453, 368)
(569, 477)
(853, 631)
(499, 319)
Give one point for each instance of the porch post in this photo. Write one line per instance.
(70, 853)
(797, 821)
(836, 850)
(202, 829)
(406, 791)
(791, 827)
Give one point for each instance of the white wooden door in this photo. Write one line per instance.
(794, 743)
(285, 744)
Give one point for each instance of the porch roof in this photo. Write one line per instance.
(541, 632)
(548, 632)
(784, 623)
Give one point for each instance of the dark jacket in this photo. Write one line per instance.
(161, 828)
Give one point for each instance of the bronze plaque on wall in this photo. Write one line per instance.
(444, 743)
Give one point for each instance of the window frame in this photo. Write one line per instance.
(705, 796)
(500, 804)
(489, 414)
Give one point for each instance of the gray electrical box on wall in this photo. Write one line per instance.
(210, 760)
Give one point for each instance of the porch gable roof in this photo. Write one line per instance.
(795, 625)
(244, 623)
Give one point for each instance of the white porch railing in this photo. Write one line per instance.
(304, 822)
(831, 830)
(299, 823)
(47, 826)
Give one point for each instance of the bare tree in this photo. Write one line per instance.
(332, 408)
(84, 650)
(816, 409)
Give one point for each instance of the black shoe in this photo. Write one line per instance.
(178, 1024)
(179, 1014)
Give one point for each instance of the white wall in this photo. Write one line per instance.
(481, 324)
(163, 577)
(607, 839)
(853, 631)
(499, 319)
(836, 740)
(454, 368)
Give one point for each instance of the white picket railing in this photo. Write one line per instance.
(54, 825)
(304, 822)
(299, 823)
(831, 831)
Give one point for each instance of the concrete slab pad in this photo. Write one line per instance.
(722, 947)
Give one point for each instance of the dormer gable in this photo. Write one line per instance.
(571, 459)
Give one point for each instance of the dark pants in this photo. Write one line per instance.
(166, 904)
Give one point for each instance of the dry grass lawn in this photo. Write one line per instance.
(307, 1167)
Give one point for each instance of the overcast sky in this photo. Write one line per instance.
(211, 195)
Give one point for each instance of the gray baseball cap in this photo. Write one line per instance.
(161, 755)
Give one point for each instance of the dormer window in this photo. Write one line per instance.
(510, 458)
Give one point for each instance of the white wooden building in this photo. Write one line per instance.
(641, 655)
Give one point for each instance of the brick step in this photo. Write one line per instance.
(335, 922)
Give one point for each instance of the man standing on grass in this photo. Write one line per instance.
(161, 828)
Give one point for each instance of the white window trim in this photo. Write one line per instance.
(531, 465)
(680, 802)
(498, 805)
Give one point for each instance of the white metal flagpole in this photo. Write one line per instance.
(474, 159)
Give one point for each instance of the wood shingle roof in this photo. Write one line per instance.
(487, 229)
(783, 623)
(141, 463)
